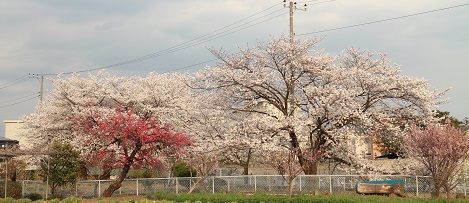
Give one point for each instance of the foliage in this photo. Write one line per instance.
(182, 169)
(444, 116)
(141, 173)
(33, 196)
(61, 167)
(442, 150)
(71, 200)
(125, 140)
(310, 99)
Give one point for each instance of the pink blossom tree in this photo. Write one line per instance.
(125, 140)
(442, 150)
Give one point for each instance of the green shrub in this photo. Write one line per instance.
(24, 200)
(33, 196)
(71, 200)
(55, 196)
(181, 169)
(7, 200)
(14, 189)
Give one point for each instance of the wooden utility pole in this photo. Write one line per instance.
(41, 91)
(292, 6)
(291, 22)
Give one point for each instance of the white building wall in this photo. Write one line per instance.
(12, 131)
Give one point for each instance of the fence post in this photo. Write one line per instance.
(270, 183)
(137, 186)
(99, 188)
(76, 190)
(464, 185)
(255, 183)
(300, 183)
(176, 182)
(417, 186)
(213, 184)
(22, 189)
(228, 185)
(330, 184)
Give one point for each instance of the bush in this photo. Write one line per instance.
(181, 169)
(33, 196)
(56, 196)
(14, 189)
(71, 200)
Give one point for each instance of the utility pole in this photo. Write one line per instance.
(41, 90)
(292, 6)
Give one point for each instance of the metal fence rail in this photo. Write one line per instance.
(415, 186)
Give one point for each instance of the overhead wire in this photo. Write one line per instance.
(19, 102)
(16, 99)
(301, 2)
(345, 27)
(185, 45)
(15, 81)
(384, 20)
(220, 37)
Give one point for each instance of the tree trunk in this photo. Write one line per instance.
(118, 183)
(52, 189)
(246, 172)
(246, 169)
(290, 187)
(196, 184)
(308, 168)
(437, 190)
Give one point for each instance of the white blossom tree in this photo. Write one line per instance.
(315, 97)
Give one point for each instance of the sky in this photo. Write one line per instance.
(427, 39)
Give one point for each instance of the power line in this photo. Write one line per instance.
(15, 81)
(185, 67)
(19, 102)
(184, 45)
(321, 2)
(7, 101)
(384, 20)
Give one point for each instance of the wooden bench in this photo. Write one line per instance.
(383, 187)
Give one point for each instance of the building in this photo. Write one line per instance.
(13, 130)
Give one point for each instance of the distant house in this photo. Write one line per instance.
(6, 143)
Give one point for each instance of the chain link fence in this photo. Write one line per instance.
(414, 186)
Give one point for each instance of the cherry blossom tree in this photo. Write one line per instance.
(164, 95)
(442, 150)
(316, 97)
(127, 140)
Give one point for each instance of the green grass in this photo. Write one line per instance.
(266, 198)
